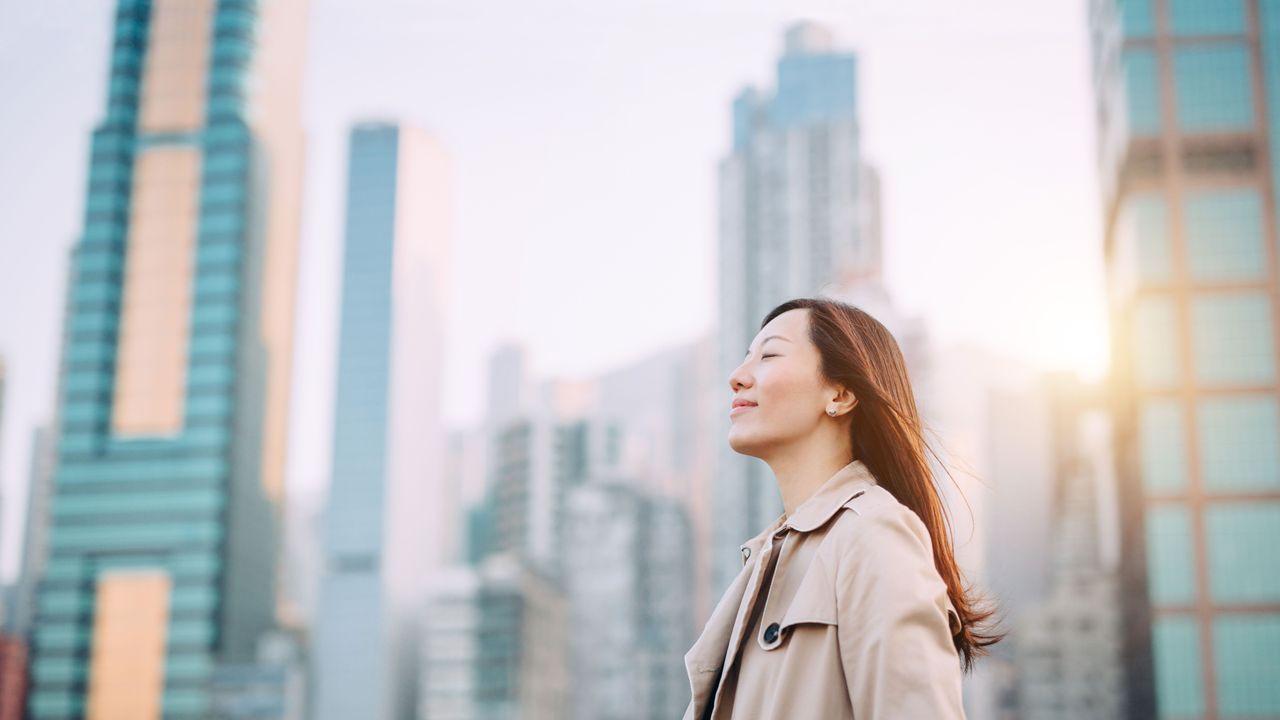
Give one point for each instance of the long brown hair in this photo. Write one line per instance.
(859, 354)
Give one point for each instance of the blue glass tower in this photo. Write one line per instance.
(385, 520)
(176, 364)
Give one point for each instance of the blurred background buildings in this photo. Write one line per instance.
(557, 556)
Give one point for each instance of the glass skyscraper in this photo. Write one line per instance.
(174, 385)
(386, 515)
(1188, 106)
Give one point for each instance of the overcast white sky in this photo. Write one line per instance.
(584, 137)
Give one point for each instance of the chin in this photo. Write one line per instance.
(743, 445)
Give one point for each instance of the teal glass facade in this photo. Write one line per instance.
(1188, 96)
(190, 504)
(351, 663)
(1212, 86)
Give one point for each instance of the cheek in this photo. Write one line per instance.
(786, 391)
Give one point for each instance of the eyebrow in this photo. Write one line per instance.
(762, 342)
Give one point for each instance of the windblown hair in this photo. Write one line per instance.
(859, 354)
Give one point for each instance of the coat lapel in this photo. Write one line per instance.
(704, 661)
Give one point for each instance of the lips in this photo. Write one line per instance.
(741, 405)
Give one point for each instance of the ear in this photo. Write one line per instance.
(843, 401)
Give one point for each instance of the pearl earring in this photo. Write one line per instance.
(831, 412)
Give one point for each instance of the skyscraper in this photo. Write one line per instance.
(1188, 101)
(173, 390)
(383, 513)
(793, 219)
(1066, 647)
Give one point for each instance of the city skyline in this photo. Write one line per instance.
(1043, 170)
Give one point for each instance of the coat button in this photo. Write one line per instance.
(746, 554)
(771, 633)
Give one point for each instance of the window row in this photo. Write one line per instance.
(1212, 87)
(1246, 663)
(1239, 540)
(1239, 444)
(1231, 340)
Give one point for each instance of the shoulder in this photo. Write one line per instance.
(875, 525)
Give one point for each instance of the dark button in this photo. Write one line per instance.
(771, 633)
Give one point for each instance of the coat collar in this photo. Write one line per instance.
(825, 502)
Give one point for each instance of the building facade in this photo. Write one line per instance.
(174, 384)
(629, 588)
(1188, 104)
(494, 644)
(384, 513)
(793, 219)
(1067, 647)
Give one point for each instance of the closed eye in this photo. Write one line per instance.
(765, 356)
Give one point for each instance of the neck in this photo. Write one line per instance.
(801, 471)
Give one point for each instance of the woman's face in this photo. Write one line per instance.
(781, 375)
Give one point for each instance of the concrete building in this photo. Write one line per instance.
(628, 581)
(494, 644)
(272, 687)
(666, 402)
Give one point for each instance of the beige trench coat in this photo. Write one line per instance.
(856, 622)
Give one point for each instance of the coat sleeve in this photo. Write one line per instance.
(895, 640)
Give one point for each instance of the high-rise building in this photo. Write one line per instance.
(629, 587)
(271, 687)
(384, 514)
(536, 462)
(1188, 104)
(663, 400)
(494, 644)
(174, 385)
(1067, 647)
(793, 219)
(34, 540)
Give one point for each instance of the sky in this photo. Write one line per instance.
(583, 141)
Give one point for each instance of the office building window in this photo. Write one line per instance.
(1231, 335)
(1179, 681)
(1224, 234)
(1246, 653)
(1240, 443)
(1137, 18)
(1170, 561)
(1142, 86)
(1155, 336)
(1162, 438)
(1207, 17)
(1148, 214)
(1242, 539)
(1213, 87)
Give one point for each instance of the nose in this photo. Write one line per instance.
(739, 378)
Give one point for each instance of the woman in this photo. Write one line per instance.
(850, 605)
